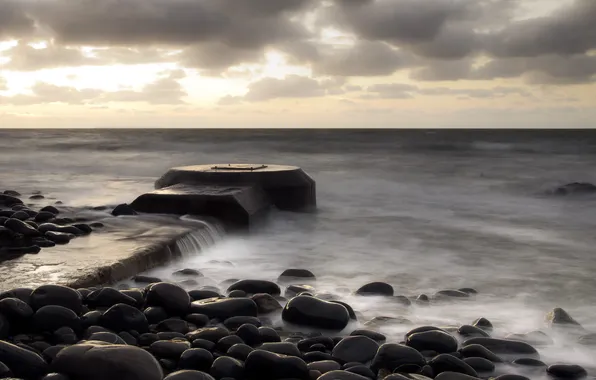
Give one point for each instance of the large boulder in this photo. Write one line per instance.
(433, 340)
(504, 347)
(107, 362)
(23, 363)
(224, 308)
(256, 287)
(122, 317)
(314, 312)
(57, 295)
(360, 349)
(390, 356)
(172, 298)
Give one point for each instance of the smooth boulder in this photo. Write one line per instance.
(224, 308)
(24, 363)
(360, 349)
(256, 287)
(375, 289)
(172, 298)
(266, 365)
(432, 340)
(391, 356)
(314, 312)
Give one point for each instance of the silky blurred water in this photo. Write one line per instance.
(422, 210)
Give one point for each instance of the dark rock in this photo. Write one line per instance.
(504, 347)
(23, 363)
(477, 350)
(423, 329)
(50, 209)
(107, 337)
(449, 363)
(294, 290)
(313, 312)
(50, 353)
(567, 371)
(21, 227)
(155, 314)
(43, 242)
(56, 295)
(140, 279)
(173, 325)
(52, 317)
(20, 215)
(147, 338)
(91, 318)
(559, 317)
(450, 293)
(385, 321)
(97, 225)
(85, 228)
(9, 200)
(4, 371)
(52, 227)
(468, 290)
(212, 334)
(188, 272)
(188, 375)
(33, 224)
(341, 375)
(511, 376)
(293, 274)
(282, 348)
(267, 365)
(316, 356)
(24, 294)
(471, 331)
(377, 337)
(239, 351)
(249, 334)
(172, 298)
(351, 312)
(326, 341)
(454, 376)
(324, 366)
(169, 349)
(19, 251)
(225, 366)
(203, 294)
(317, 347)
(587, 340)
(122, 317)
(199, 320)
(92, 330)
(225, 308)
(256, 287)
(37, 197)
(235, 322)
(266, 303)
(237, 294)
(225, 343)
(204, 344)
(480, 365)
(170, 335)
(44, 216)
(361, 370)
(55, 376)
(101, 362)
(12, 193)
(355, 349)
(108, 297)
(64, 335)
(135, 294)
(123, 209)
(168, 365)
(197, 359)
(529, 362)
(16, 311)
(434, 340)
(268, 335)
(128, 338)
(484, 324)
(376, 289)
(390, 356)
(575, 188)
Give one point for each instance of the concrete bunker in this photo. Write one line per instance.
(239, 195)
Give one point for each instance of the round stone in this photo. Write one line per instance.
(432, 340)
(172, 298)
(23, 363)
(225, 308)
(122, 317)
(567, 371)
(256, 287)
(267, 365)
(56, 295)
(296, 274)
(197, 359)
(52, 317)
(359, 349)
(375, 289)
(449, 363)
(314, 312)
(225, 366)
(189, 375)
(390, 356)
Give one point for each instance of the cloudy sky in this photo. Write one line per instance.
(297, 63)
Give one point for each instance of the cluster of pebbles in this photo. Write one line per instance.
(161, 331)
(26, 231)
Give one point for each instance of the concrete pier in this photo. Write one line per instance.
(239, 195)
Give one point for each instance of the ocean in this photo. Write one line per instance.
(423, 210)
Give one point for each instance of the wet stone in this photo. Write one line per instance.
(316, 356)
(324, 366)
(173, 325)
(239, 351)
(511, 376)
(249, 334)
(23, 363)
(342, 375)
(188, 375)
(266, 303)
(198, 359)
(267, 365)
(225, 366)
(361, 370)
(296, 274)
(225, 343)
(390, 356)
(313, 312)
(434, 340)
(204, 344)
(121, 317)
(472, 331)
(234, 322)
(237, 294)
(294, 290)
(256, 287)
(199, 320)
(56, 295)
(108, 297)
(52, 317)
(15, 310)
(355, 349)
(268, 335)
(283, 348)
(450, 293)
(225, 308)
(172, 298)
(510, 348)
(169, 349)
(107, 337)
(484, 324)
(476, 350)
(454, 376)
(567, 371)
(188, 272)
(100, 362)
(212, 334)
(375, 289)
(480, 365)
(155, 314)
(146, 279)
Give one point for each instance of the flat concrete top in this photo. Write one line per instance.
(121, 239)
(237, 168)
(183, 189)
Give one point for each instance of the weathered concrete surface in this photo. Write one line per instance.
(125, 247)
(288, 187)
(239, 207)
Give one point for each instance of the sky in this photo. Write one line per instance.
(297, 63)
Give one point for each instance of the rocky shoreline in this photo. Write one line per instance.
(256, 329)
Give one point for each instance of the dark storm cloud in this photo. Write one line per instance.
(14, 21)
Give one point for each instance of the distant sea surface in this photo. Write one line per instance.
(423, 210)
